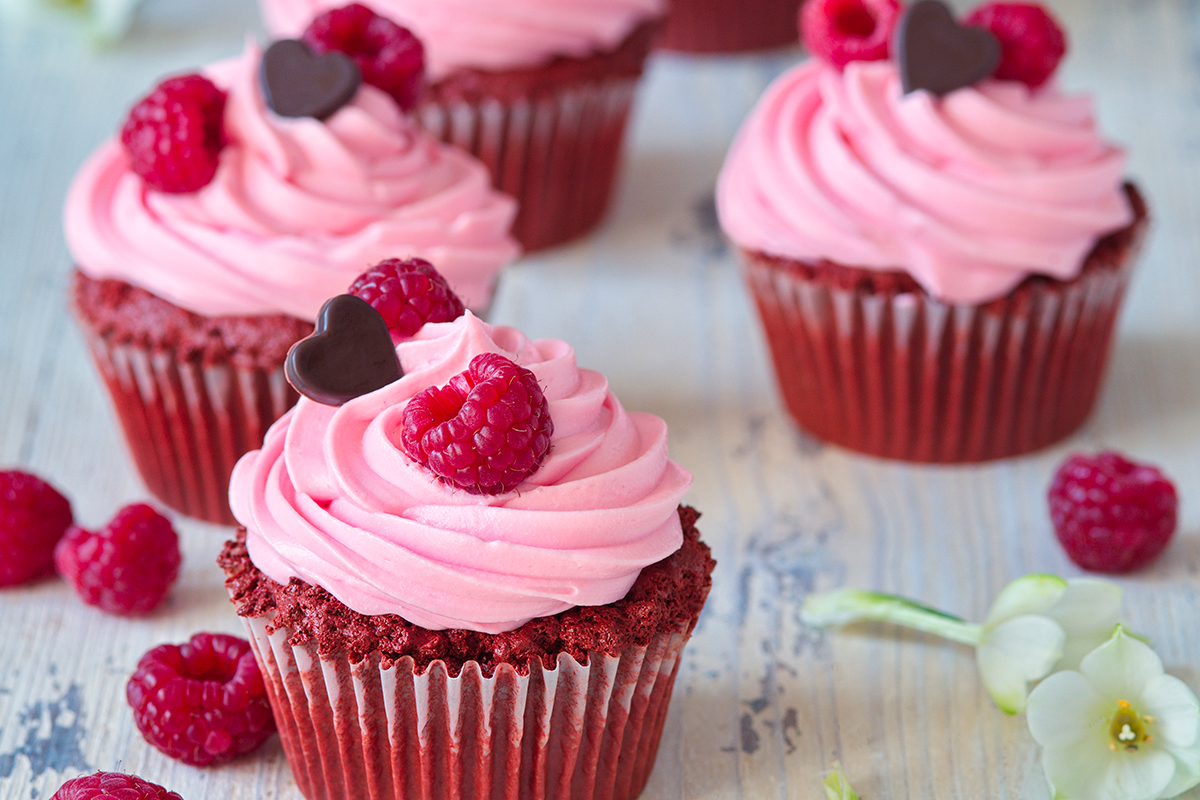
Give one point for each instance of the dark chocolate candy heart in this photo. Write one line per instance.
(349, 354)
(935, 53)
(299, 83)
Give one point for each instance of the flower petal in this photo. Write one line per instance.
(1031, 594)
(1119, 668)
(1015, 652)
(1090, 771)
(1063, 711)
(1187, 771)
(1088, 611)
(1175, 709)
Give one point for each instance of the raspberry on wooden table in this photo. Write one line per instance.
(1031, 41)
(486, 431)
(1112, 514)
(390, 57)
(202, 701)
(114, 785)
(407, 293)
(33, 517)
(841, 31)
(174, 134)
(127, 566)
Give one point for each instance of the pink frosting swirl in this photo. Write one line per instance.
(332, 499)
(488, 34)
(969, 194)
(298, 208)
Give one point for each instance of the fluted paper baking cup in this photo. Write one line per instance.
(187, 422)
(902, 375)
(376, 730)
(552, 137)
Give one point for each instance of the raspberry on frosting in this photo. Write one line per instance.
(486, 431)
(1031, 41)
(389, 56)
(173, 135)
(841, 31)
(407, 293)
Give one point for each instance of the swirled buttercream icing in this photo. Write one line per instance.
(298, 208)
(969, 193)
(332, 499)
(489, 35)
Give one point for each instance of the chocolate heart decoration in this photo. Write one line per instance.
(349, 354)
(299, 83)
(935, 53)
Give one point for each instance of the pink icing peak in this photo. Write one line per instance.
(297, 209)
(969, 193)
(332, 499)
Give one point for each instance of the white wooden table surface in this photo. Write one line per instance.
(763, 705)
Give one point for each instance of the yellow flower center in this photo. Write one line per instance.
(1127, 731)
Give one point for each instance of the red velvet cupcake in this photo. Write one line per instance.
(538, 90)
(938, 249)
(200, 263)
(473, 581)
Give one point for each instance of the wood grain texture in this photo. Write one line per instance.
(653, 299)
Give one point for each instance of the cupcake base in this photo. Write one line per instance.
(192, 393)
(565, 707)
(731, 26)
(869, 361)
(551, 135)
(376, 731)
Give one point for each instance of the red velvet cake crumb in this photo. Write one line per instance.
(666, 595)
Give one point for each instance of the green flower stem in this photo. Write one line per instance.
(845, 606)
(837, 787)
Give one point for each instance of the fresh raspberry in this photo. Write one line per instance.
(127, 566)
(1031, 41)
(173, 135)
(485, 431)
(389, 56)
(1111, 514)
(841, 31)
(114, 785)
(33, 517)
(407, 294)
(202, 701)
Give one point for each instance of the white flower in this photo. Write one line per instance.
(1036, 622)
(1039, 623)
(1118, 728)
